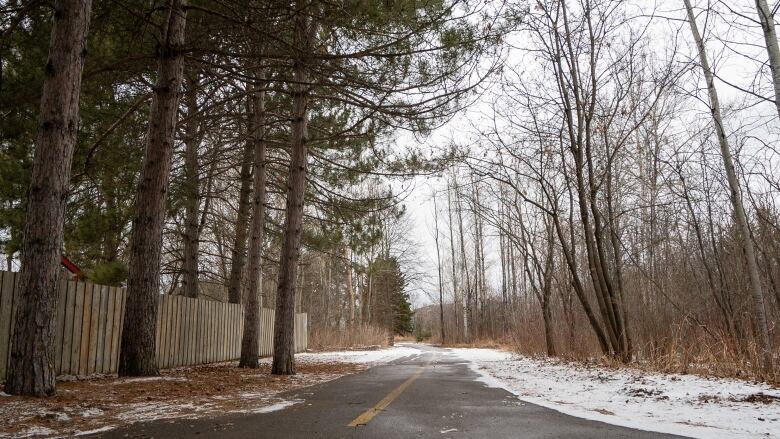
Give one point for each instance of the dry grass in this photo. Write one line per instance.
(335, 339)
(487, 343)
(83, 405)
(683, 348)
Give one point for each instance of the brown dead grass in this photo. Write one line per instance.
(485, 343)
(89, 404)
(360, 336)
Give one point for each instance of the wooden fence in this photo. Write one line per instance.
(89, 326)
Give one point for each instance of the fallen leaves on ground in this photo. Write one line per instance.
(102, 402)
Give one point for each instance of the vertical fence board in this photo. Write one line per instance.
(213, 337)
(173, 331)
(67, 328)
(106, 331)
(158, 332)
(177, 340)
(222, 330)
(86, 320)
(185, 359)
(105, 366)
(204, 315)
(97, 360)
(93, 329)
(78, 314)
(119, 319)
(171, 316)
(210, 332)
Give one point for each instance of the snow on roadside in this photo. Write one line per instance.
(383, 355)
(687, 405)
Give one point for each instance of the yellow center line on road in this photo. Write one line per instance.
(369, 414)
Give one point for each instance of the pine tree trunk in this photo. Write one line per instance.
(192, 193)
(762, 330)
(250, 347)
(137, 349)
(31, 369)
(284, 341)
(238, 254)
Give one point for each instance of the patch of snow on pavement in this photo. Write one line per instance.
(95, 431)
(275, 407)
(668, 403)
(361, 357)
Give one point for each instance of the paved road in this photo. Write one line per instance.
(433, 395)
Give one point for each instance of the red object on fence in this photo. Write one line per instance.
(70, 266)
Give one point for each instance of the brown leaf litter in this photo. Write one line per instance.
(104, 402)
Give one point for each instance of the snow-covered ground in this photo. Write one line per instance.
(687, 405)
(369, 357)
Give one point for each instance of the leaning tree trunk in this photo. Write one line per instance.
(137, 349)
(770, 37)
(250, 348)
(284, 326)
(192, 192)
(31, 369)
(762, 330)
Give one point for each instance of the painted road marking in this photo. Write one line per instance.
(369, 414)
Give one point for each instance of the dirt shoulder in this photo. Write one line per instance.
(98, 403)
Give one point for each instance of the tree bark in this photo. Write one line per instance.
(350, 291)
(284, 341)
(468, 318)
(762, 330)
(238, 254)
(192, 192)
(137, 349)
(250, 347)
(770, 37)
(438, 266)
(31, 369)
(455, 299)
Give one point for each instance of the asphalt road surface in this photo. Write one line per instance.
(433, 395)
